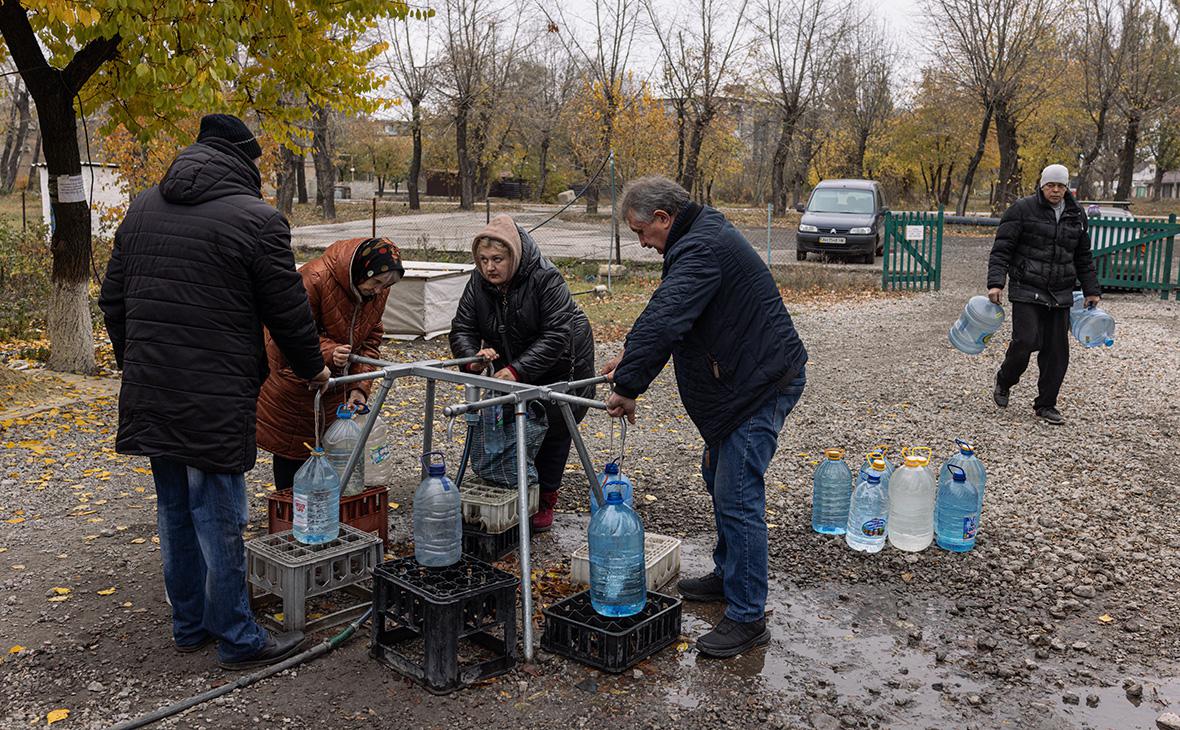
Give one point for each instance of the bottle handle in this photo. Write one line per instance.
(964, 445)
(427, 461)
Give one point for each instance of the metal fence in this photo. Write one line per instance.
(912, 258)
(1135, 254)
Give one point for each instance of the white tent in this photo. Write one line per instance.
(423, 303)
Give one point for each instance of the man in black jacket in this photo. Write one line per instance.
(740, 371)
(1043, 249)
(200, 264)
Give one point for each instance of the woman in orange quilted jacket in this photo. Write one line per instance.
(347, 288)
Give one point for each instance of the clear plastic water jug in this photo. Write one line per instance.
(610, 473)
(315, 501)
(957, 515)
(438, 517)
(340, 441)
(1092, 326)
(831, 489)
(966, 460)
(868, 513)
(879, 452)
(911, 503)
(976, 325)
(378, 452)
(618, 578)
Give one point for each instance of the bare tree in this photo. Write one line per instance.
(1164, 144)
(1150, 58)
(413, 78)
(605, 59)
(802, 38)
(553, 77)
(1099, 49)
(991, 47)
(862, 97)
(698, 60)
(19, 120)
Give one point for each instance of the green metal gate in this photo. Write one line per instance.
(912, 257)
(1135, 254)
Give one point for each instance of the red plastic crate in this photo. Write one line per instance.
(367, 511)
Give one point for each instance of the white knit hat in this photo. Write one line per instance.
(1054, 174)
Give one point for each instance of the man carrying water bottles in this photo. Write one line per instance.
(1042, 248)
(739, 369)
(200, 264)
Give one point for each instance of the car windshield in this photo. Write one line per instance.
(841, 200)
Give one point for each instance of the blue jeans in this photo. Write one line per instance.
(735, 475)
(201, 516)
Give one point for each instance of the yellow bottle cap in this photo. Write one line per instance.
(834, 454)
(918, 456)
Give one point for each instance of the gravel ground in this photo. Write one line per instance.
(1063, 615)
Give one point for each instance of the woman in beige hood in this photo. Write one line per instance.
(517, 311)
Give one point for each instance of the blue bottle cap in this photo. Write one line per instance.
(614, 497)
(611, 467)
(343, 411)
(872, 478)
(957, 473)
(437, 470)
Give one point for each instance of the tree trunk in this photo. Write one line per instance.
(34, 181)
(696, 139)
(301, 179)
(416, 155)
(285, 185)
(466, 164)
(14, 141)
(862, 145)
(1127, 157)
(680, 125)
(322, 154)
(1008, 184)
(945, 199)
(973, 164)
(543, 177)
(1089, 156)
(1157, 183)
(778, 171)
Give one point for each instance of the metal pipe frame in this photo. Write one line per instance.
(516, 394)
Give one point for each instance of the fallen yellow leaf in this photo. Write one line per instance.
(61, 591)
(16, 649)
(1106, 618)
(138, 541)
(649, 497)
(278, 617)
(394, 505)
(15, 520)
(59, 599)
(18, 566)
(907, 577)
(682, 646)
(105, 591)
(127, 604)
(56, 715)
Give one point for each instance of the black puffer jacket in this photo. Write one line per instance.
(1043, 258)
(200, 264)
(534, 326)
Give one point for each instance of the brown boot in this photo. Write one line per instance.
(543, 520)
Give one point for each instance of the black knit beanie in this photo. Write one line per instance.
(231, 129)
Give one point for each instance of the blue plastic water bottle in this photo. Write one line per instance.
(868, 514)
(492, 420)
(966, 460)
(610, 473)
(1092, 326)
(879, 452)
(438, 517)
(830, 492)
(340, 441)
(976, 325)
(618, 577)
(956, 518)
(315, 501)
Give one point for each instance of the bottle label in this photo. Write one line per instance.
(874, 527)
(299, 505)
(378, 454)
(970, 526)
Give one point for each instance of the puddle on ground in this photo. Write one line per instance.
(1115, 710)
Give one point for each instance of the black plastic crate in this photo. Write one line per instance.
(575, 630)
(448, 627)
(490, 547)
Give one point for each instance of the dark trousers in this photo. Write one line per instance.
(555, 449)
(1042, 329)
(284, 470)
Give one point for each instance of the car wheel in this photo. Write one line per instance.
(800, 255)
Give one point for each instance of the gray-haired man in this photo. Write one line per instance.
(740, 371)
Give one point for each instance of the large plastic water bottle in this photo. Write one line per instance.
(316, 501)
(438, 517)
(492, 427)
(878, 452)
(1091, 326)
(378, 461)
(957, 516)
(966, 460)
(618, 577)
(340, 441)
(868, 514)
(831, 489)
(911, 503)
(976, 325)
(610, 473)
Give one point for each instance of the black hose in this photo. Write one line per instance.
(321, 648)
(465, 457)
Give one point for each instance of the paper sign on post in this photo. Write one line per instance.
(70, 189)
(914, 233)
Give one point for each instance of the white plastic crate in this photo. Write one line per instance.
(494, 509)
(661, 561)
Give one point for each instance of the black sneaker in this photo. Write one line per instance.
(278, 648)
(730, 638)
(1050, 416)
(1000, 394)
(705, 588)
